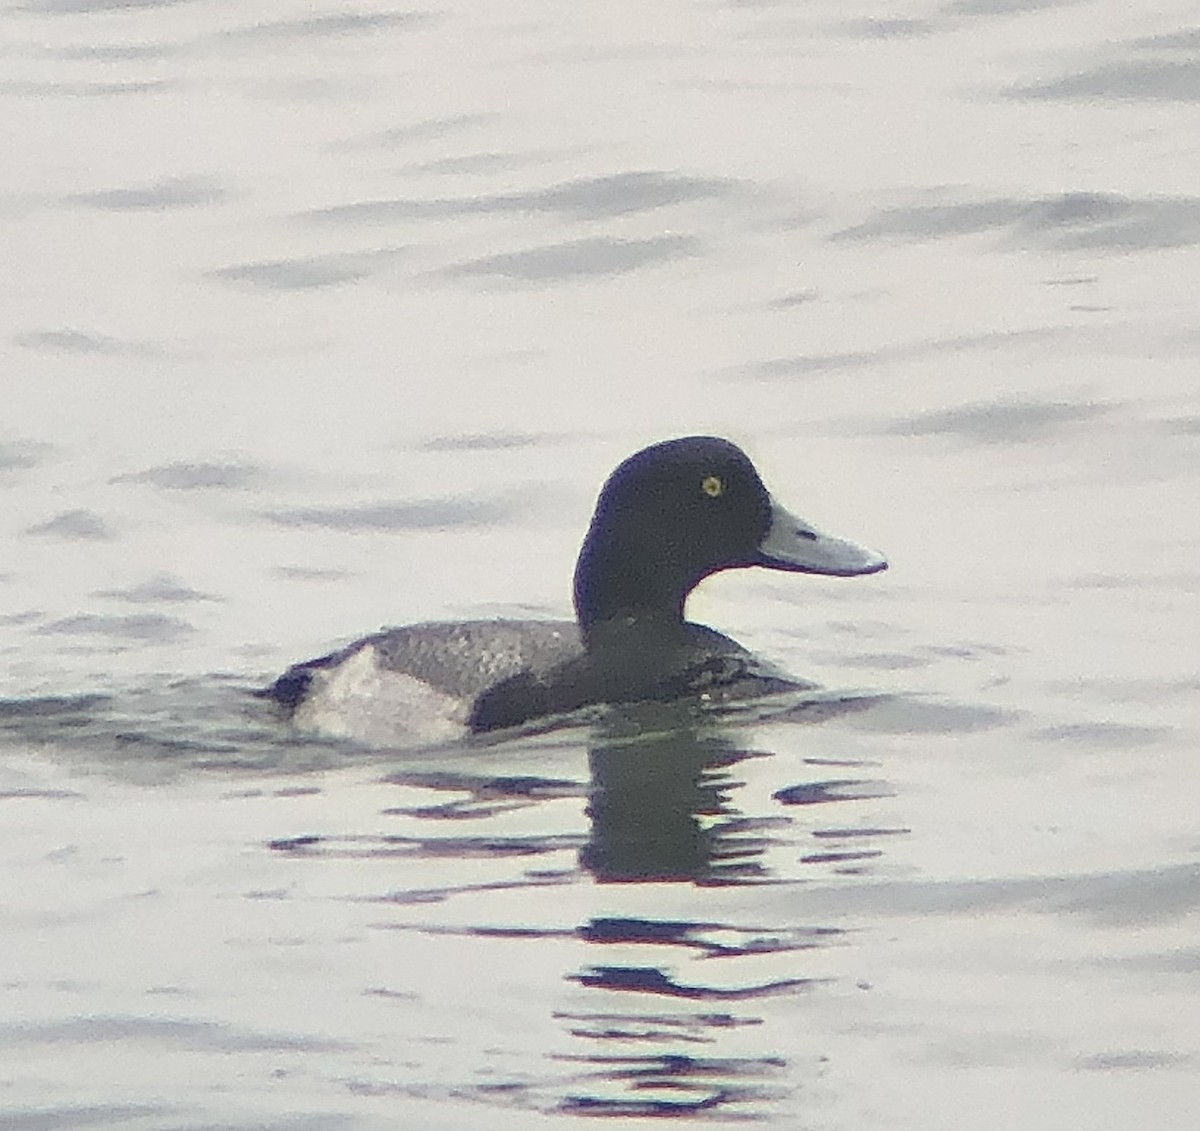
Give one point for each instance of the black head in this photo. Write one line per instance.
(673, 514)
(669, 516)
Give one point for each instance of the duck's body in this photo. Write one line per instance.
(668, 517)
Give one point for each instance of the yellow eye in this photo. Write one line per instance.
(712, 486)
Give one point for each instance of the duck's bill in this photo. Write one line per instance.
(796, 545)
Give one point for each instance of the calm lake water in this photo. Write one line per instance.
(318, 318)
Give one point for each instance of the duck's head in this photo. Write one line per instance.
(672, 514)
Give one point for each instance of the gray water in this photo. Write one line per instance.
(316, 319)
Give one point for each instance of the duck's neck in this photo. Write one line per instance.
(614, 586)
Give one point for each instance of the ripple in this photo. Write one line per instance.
(838, 789)
(150, 628)
(1068, 221)
(162, 195)
(693, 1028)
(425, 848)
(72, 1117)
(1002, 421)
(802, 365)
(333, 24)
(585, 198)
(713, 940)
(20, 455)
(164, 590)
(651, 980)
(50, 706)
(69, 6)
(675, 1085)
(485, 796)
(429, 129)
(1135, 1060)
(426, 514)
(75, 526)
(579, 259)
(1099, 735)
(911, 715)
(310, 272)
(160, 1032)
(1132, 81)
(71, 340)
(196, 476)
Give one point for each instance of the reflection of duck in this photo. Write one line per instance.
(659, 808)
(668, 517)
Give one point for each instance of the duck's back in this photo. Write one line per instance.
(465, 658)
(417, 682)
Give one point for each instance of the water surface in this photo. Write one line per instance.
(317, 319)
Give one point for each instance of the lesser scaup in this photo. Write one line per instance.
(668, 517)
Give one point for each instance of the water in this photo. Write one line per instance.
(317, 319)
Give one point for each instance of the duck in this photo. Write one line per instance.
(668, 517)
